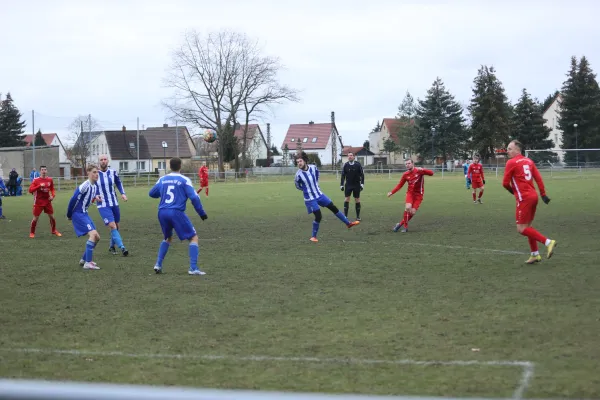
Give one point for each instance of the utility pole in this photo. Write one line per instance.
(177, 136)
(268, 144)
(137, 146)
(33, 132)
(334, 140)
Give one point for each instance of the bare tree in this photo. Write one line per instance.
(81, 129)
(221, 78)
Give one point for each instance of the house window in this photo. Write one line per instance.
(141, 165)
(293, 140)
(162, 165)
(314, 140)
(305, 140)
(123, 166)
(405, 156)
(131, 145)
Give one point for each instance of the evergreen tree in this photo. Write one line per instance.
(441, 129)
(230, 143)
(580, 105)
(367, 145)
(39, 139)
(549, 100)
(11, 126)
(275, 151)
(529, 128)
(490, 113)
(406, 128)
(377, 127)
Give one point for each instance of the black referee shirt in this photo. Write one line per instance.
(353, 174)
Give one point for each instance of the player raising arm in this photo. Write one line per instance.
(517, 180)
(77, 212)
(43, 192)
(414, 194)
(174, 190)
(307, 180)
(475, 174)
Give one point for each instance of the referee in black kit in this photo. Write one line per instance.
(352, 173)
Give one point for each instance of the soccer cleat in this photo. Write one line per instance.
(534, 259)
(158, 269)
(124, 251)
(314, 239)
(112, 250)
(32, 235)
(196, 272)
(81, 262)
(57, 233)
(2, 217)
(90, 265)
(351, 224)
(550, 248)
(404, 230)
(475, 202)
(480, 202)
(397, 227)
(358, 219)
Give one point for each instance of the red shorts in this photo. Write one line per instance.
(37, 210)
(415, 199)
(526, 210)
(476, 184)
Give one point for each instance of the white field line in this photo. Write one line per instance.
(526, 366)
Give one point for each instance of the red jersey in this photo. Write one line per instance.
(518, 177)
(415, 179)
(475, 172)
(42, 188)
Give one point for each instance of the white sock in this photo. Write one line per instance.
(535, 253)
(548, 241)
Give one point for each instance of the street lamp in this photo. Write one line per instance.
(164, 146)
(432, 152)
(576, 144)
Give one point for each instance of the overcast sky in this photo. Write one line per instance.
(108, 58)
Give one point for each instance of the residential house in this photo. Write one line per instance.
(179, 144)
(316, 139)
(551, 115)
(256, 145)
(361, 154)
(390, 128)
(52, 139)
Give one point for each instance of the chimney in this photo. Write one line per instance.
(124, 129)
(333, 117)
(165, 125)
(268, 135)
(311, 122)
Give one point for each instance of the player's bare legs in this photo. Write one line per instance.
(534, 237)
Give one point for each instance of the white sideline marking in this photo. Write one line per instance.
(527, 366)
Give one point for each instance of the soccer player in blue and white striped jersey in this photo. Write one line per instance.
(109, 207)
(77, 212)
(307, 180)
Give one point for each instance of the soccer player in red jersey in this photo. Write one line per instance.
(475, 173)
(43, 192)
(517, 180)
(414, 193)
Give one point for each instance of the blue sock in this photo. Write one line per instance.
(315, 228)
(194, 250)
(112, 242)
(162, 252)
(115, 237)
(342, 217)
(0, 211)
(89, 250)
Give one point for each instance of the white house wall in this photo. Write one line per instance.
(551, 116)
(131, 167)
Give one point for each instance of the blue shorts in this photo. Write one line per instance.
(82, 224)
(110, 214)
(178, 220)
(313, 205)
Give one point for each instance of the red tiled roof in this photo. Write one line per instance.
(48, 138)
(393, 125)
(348, 149)
(316, 135)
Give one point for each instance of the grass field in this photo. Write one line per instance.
(454, 283)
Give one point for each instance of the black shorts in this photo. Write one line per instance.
(355, 191)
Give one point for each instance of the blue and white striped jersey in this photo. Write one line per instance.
(308, 181)
(82, 198)
(106, 183)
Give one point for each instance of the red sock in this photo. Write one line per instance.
(33, 224)
(480, 193)
(534, 235)
(406, 219)
(533, 244)
(53, 224)
(474, 196)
